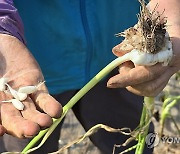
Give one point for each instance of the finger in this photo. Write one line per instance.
(137, 75)
(47, 103)
(126, 67)
(15, 124)
(139, 92)
(151, 88)
(31, 113)
(2, 130)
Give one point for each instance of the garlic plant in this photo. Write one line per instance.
(147, 43)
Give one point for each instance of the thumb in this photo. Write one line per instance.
(117, 51)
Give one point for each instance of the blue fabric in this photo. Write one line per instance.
(72, 39)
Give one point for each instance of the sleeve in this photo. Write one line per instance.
(10, 21)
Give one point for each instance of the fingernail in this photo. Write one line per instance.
(29, 136)
(114, 85)
(110, 85)
(44, 127)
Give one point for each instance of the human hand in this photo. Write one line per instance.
(146, 80)
(150, 80)
(19, 66)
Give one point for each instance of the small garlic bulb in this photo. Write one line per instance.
(17, 95)
(16, 103)
(27, 89)
(3, 82)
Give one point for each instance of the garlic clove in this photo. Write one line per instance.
(30, 89)
(17, 95)
(12, 91)
(3, 82)
(21, 96)
(17, 104)
(27, 89)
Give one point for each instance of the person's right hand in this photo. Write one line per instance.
(150, 80)
(20, 67)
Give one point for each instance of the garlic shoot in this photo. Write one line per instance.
(3, 82)
(17, 104)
